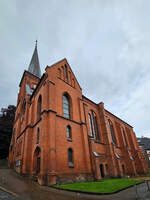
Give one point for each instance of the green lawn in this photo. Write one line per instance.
(104, 186)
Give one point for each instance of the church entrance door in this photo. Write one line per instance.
(37, 160)
(101, 170)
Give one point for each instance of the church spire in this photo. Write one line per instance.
(34, 67)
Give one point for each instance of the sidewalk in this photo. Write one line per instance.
(8, 196)
(29, 190)
(14, 183)
(146, 197)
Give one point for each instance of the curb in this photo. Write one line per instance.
(96, 193)
(5, 190)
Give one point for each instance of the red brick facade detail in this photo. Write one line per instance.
(97, 144)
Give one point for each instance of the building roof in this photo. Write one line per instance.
(107, 111)
(118, 118)
(34, 66)
(64, 60)
(144, 141)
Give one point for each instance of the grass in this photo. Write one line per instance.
(105, 186)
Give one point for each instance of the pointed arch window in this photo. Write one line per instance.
(125, 138)
(112, 132)
(70, 158)
(90, 122)
(23, 108)
(93, 125)
(39, 107)
(66, 72)
(66, 106)
(69, 135)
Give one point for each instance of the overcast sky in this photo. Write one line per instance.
(106, 42)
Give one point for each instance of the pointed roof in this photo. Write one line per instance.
(34, 67)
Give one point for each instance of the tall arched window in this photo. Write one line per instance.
(125, 139)
(69, 135)
(39, 107)
(93, 125)
(23, 108)
(66, 72)
(90, 122)
(112, 131)
(66, 106)
(70, 158)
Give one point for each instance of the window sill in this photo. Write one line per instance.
(70, 165)
(69, 139)
(91, 137)
(95, 140)
(98, 141)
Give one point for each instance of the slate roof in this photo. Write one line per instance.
(145, 141)
(34, 66)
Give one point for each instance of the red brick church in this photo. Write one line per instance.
(61, 136)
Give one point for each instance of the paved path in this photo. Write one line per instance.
(29, 190)
(7, 196)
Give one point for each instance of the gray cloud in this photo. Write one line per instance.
(106, 42)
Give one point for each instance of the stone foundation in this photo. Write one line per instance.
(71, 178)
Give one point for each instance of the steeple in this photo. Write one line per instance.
(34, 67)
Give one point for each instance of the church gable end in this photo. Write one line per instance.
(63, 72)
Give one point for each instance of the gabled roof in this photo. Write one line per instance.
(107, 111)
(118, 118)
(64, 60)
(34, 66)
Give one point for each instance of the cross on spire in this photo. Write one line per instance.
(36, 43)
